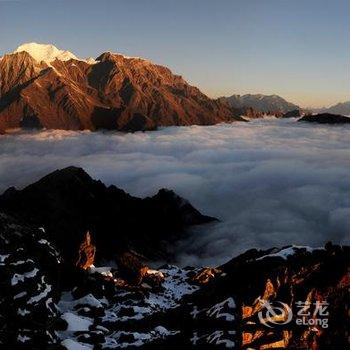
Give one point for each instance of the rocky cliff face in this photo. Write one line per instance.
(43, 87)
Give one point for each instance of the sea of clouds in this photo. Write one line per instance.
(270, 182)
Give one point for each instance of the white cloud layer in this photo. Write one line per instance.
(271, 182)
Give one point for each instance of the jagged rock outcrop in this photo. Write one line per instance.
(325, 118)
(86, 253)
(43, 87)
(131, 269)
(68, 203)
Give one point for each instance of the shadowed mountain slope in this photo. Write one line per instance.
(68, 203)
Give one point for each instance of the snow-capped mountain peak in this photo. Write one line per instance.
(45, 52)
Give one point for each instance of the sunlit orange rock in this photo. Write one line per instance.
(247, 311)
(86, 253)
(206, 275)
(116, 92)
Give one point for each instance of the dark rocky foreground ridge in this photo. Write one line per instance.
(57, 295)
(68, 203)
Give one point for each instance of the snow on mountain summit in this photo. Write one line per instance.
(46, 52)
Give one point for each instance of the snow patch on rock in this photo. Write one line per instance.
(71, 344)
(104, 270)
(76, 323)
(285, 253)
(21, 277)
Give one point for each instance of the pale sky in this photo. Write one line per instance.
(297, 49)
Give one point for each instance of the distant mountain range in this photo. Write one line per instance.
(44, 87)
(339, 108)
(258, 104)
